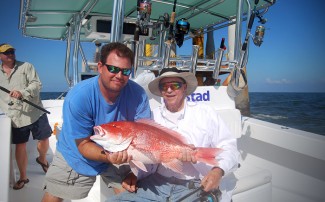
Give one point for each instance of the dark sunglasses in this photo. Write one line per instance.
(171, 85)
(11, 52)
(113, 69)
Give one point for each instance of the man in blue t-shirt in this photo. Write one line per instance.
(111, 96)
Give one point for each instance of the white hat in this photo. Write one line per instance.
(189, 78)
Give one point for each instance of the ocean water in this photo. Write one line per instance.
(52, 95)
(303, 111)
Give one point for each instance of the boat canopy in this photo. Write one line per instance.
(50, 19)
(137, 23)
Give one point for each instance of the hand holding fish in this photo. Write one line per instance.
(188, 156)
(118, 157)
(91, 151)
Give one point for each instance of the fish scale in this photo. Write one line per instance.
(149, 143)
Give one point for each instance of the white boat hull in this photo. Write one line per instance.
(294, 160)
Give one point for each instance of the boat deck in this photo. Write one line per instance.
(36, 177)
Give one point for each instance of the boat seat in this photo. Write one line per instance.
(252, 183)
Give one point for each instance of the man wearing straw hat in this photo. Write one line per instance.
(202, 127)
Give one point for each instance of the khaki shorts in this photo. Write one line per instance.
(63, 182)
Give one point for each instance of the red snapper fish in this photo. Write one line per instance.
(149, 143)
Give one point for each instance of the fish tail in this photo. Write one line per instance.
(207, 155)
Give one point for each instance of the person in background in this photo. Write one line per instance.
(201, 125)
(21, 79)
(108, 97)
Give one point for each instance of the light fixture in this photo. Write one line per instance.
(30, 18)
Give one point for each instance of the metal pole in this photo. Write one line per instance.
(76, 49)
(85, 68)
(217, 63)
(161, 40)
(195, 50)
(67, 56)
(165, 59)
(117, 20)
(238, 30)
(136, 59)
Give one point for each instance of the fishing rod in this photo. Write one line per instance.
(136, 38)
(211, 196)
(28, 102)
(171, 23)
(189, 194)
(238, 80)
(249, 27)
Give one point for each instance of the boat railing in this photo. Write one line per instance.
(183, 62)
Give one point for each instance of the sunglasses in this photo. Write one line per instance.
(171, 85)
(113, 69)
(11, 52)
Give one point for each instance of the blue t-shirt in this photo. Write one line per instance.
(84, 107)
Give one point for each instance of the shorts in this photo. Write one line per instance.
(115, 174)
(40, 130)
(63, 182)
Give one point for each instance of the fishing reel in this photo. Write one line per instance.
(144, 12)
(211, 196)
(182, 28)
(259, 35)
(260, 30)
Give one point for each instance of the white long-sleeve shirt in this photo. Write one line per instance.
(201, 126)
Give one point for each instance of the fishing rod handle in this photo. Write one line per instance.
(4, 89)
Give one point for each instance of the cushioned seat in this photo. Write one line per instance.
(253, 184)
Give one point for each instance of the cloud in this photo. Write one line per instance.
(281, 81)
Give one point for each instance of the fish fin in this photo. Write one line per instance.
(134, 170)
(171, 132)
(175, 165)
(137, 164)
(207, 155)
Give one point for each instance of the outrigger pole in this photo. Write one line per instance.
(171, 23)
(28, 102)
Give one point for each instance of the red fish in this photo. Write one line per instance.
(149, 143)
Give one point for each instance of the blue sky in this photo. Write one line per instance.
(291, 58)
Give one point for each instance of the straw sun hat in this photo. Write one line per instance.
(189, 78)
